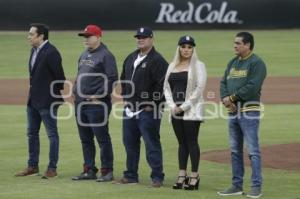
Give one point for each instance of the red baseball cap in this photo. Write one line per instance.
(91, 30)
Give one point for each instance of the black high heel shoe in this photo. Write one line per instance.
(190, 186)
(179, 185)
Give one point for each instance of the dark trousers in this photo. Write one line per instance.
(144, 125)
(187, 132)
(34, 119)
(92, 120)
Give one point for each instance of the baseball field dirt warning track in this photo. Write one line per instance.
(276, 90)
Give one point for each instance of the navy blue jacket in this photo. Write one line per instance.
(47, 68)
(148, 79)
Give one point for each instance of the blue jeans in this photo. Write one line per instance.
(245, 126)
(146, 126)
(34, 119)
(94, 120)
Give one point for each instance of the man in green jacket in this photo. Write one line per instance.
(240, 93)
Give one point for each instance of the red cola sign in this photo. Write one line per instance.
(158, 14)
(204, 13)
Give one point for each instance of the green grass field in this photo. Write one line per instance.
(279, 49)
(278, 184)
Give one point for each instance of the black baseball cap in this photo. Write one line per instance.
(144, 32)
(186, 40)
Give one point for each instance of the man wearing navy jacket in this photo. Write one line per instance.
(46, 82)
(142, 80)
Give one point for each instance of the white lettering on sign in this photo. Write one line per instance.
(204, 13)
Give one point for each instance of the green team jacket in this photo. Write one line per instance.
(242, 82)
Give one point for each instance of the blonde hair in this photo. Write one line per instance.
(176, 59)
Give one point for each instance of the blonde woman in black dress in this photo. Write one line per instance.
(183, 88)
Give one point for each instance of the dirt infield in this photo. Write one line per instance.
(276, 90)
(283, 156)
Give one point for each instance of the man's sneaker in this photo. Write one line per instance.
(255, 192)
(86, 175)
(106, 177)
(50, 173)
(232, 191)
(125, 181)
(29, 171)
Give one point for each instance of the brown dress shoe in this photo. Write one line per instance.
(156, 184)
(125, 181)
(29, 171)
(49, 174)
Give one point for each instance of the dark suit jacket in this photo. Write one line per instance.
(47, 68)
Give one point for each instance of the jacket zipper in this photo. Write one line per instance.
(133, 72)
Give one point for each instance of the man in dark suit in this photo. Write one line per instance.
(46, 80)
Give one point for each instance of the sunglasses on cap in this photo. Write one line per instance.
(186, 45)
(142, 37)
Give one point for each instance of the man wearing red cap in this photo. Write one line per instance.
(97, 71)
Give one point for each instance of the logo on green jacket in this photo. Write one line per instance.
(237, 73)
